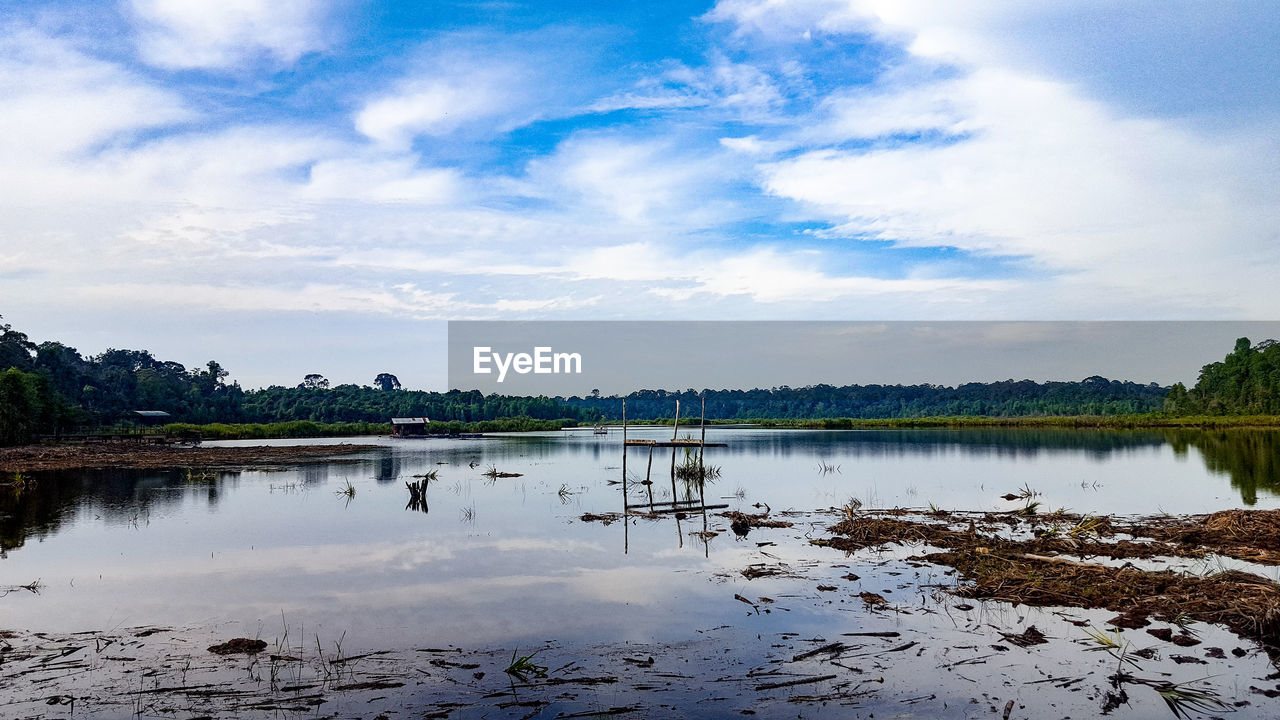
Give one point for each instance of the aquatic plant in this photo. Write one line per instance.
(1183, 700)
(349, 492)
(1104, 640)
(691, 471)
(1029, 509)
(1024, 493)
(523, 666)
(493, 473)
(1086, 526)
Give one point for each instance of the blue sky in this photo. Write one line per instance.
(298, 186)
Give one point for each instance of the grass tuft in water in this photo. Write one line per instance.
(349, 491)
(523, 667)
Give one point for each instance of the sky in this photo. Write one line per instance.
(296, 186)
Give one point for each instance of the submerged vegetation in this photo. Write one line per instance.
(1058, 569)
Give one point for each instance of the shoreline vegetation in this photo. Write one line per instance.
(1118, 422)
(50, 391)
(309, 429)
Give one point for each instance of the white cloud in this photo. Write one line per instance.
(432, 107)
(222, 33)
(654, 183)
(60, 101)
(740, 88)
(467, 86)
(392, 179)
(765, 275)
(1114, 207)
(753, 145)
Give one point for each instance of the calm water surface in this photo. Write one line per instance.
(508, 560)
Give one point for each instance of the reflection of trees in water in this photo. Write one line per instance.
(926, 442)
(115, 496)
(388, 469)
(1250, 458)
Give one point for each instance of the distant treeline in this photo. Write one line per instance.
(48, 388)
(1091, 396)
(1246, 382)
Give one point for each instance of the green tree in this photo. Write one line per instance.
(24, 406)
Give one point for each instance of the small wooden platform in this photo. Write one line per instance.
(682, 442)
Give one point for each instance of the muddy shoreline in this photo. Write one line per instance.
(1060, 560)
(1018, 592)
(34, 458)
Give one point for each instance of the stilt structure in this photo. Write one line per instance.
(675, 505)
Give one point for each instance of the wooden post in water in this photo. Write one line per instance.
(674, 433)
(648, 479)
(626, 521)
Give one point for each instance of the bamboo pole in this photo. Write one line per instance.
(674, 433)
(626, 530)
(648, 477)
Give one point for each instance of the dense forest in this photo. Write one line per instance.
(50, 387)
(1246, 382)
(1091, 396)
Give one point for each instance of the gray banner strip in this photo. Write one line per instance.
(558, 358)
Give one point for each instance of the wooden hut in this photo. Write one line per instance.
(409, 427)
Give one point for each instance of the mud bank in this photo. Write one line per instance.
(29, 458)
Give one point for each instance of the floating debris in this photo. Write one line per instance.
(236, 646)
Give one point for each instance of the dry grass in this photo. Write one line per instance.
(1040, 571)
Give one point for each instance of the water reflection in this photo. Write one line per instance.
(115, 497)
(1251, 458)
(509, 561)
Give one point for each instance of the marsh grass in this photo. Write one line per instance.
(348, 491)
(1184, 700)
(1086, 526)
(1031, 508)
(689, 471)
(523, 667)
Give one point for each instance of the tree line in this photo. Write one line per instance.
(1245, 382)
(1091, 396)
(49, 387)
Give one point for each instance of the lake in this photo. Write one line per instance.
(506, 563)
